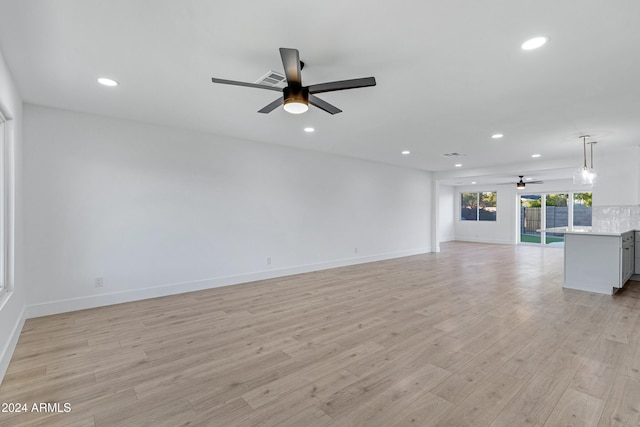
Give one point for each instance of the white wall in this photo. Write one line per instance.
(155, 210)
(446, 205)
(504, 229)
(618, 176)
(12, 303)
(500, 231)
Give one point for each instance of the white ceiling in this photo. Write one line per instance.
(450, 73)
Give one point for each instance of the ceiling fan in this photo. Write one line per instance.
(520, 185)
(295, 97)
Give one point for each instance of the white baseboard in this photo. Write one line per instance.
(10, 345)
(92, 301)
(491, 241)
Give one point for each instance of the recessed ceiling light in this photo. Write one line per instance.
(309, 130)
(534, 43)
(107, 82)
(473, 182)
(458, 165)
(535, 156)
(497, 136)
(406, 152)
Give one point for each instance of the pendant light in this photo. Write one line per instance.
(593, 175)
(585, 175)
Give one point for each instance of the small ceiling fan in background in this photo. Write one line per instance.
(296, 97)
(520, 185)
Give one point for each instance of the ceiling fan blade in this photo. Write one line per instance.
(235, 83)
(342, 85)
(269, 108)
(323, 105)
(291, 64)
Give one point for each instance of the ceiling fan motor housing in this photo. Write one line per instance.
(296, 94)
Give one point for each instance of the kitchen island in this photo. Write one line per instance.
(597, 261)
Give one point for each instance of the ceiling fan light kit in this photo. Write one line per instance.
(295, 97)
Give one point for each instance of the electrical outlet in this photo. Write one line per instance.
(268, 260)
(99, 282)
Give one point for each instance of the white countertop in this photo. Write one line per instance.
(584, 230)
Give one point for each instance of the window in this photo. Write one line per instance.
(469, 207)
(478, 206)
(487, 206)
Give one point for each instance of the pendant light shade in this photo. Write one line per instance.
(585, 175)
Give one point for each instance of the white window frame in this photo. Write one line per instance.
(460, 207)
(6, 205)
(543, 213)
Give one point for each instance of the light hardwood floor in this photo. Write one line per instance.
(477, 335)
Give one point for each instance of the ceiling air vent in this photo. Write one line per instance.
(272, 79)
(453, 154)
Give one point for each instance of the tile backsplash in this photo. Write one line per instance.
(616, 219)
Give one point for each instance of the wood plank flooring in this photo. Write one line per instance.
(476, 335)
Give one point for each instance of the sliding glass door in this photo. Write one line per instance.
(540, 211)
(556, 215)
(582, 209)
(530, 218)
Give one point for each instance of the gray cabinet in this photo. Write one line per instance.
(637, 262)
(627, 257)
